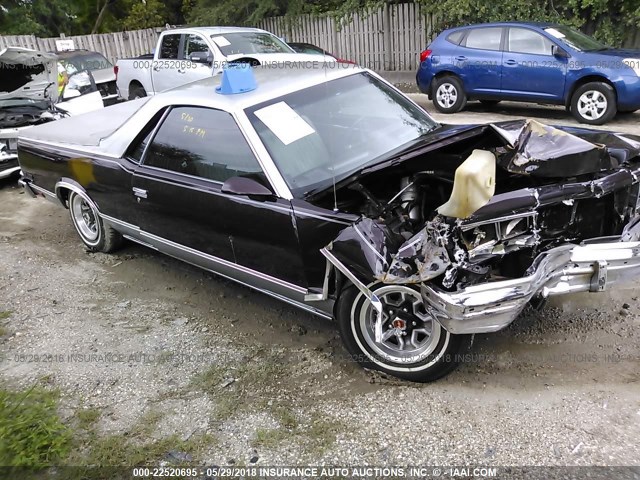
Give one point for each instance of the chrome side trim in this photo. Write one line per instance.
(223, 263)
(155, 240)
(52, 197)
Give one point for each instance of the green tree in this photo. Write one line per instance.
(146, 14)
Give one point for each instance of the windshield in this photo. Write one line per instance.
(90, 61)
(250, 42)
(575, 38)
(326, 132)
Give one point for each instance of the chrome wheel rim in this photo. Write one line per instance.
(85, 218)
(409, 333)
(592, 105)
(447, 95)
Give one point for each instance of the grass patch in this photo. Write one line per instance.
(133, 447)
(318, 436)
(5, 314)
(270, 438)
(3, 331)
(31, 432)
(87, 417)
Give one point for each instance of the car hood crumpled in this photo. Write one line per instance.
(545, 151)
(16, 81)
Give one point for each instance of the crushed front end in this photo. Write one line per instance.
(512, 214)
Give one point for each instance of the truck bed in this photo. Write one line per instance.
(86, 130)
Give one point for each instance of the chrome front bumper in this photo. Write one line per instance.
(489, 307)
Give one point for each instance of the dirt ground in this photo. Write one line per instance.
(139, 337)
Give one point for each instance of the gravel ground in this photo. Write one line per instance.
(137, 334)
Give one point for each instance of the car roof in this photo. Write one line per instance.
(214, 30)
(75, 53)
(507, 24)
(272, 81)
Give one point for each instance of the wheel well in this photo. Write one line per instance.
(63, 195)
(444, 73)
(589, 79)
(135, 83)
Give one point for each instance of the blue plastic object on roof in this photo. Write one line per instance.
(237, 78)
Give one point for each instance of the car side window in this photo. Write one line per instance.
(484, 38)
(195, 43)
(523, 40)
(139, 145)
(170, 47)
(202, 142)
(455, 37)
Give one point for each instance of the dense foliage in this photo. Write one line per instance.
(608, 20)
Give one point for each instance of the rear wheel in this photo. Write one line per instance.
(413, 346)
(594, 103)
(448, 94)
(96, 236)
(137, 91)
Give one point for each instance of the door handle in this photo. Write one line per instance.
(510, 62)
(461, 58)
(139, 192)
(156, 68)
(181, 71)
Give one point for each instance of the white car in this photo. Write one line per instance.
(185, 55)
(29, 96)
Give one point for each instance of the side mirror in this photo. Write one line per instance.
(559, 52)
(201, 57)
(473, 187)
(245, 186)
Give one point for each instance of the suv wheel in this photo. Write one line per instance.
(448, 95)
(594, 103)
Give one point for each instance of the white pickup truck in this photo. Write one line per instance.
(185, 55)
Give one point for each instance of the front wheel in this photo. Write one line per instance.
(594, 103)
(413, 346)
(97, 236)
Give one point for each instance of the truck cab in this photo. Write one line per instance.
(188, 54)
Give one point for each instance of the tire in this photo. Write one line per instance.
(489, 103)
(96, 236)
(137, 91)
(594, 103)
(429, 357)
(448, 94)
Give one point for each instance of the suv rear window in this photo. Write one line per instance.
(455, 37)
(484, 38)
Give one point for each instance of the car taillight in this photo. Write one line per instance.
(115, 70)
(424, 55)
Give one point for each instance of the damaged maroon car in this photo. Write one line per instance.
(329, 189)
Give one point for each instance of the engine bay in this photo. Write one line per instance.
(525, 214)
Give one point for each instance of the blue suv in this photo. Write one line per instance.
(530, 62)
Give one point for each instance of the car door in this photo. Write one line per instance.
(193, 71)
(479, 60)
(529, 68)
(182, 210)
(164, 72)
